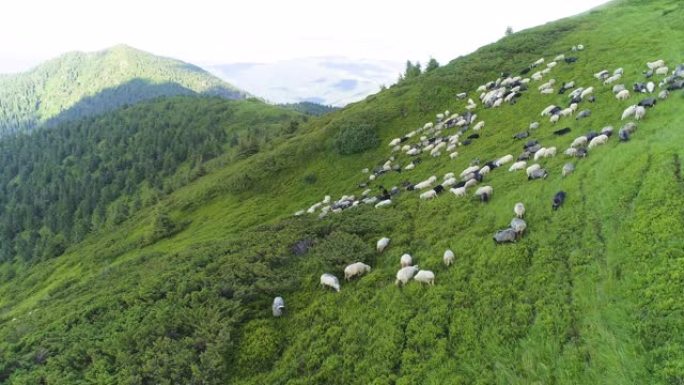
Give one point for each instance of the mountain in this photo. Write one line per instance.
(335, 81)
(81, 84)
(180, 289)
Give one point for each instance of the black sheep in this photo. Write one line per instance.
(521, 135)
(562, 131)
(649, 102)
(439, 188)
(558, 199)
(570, 59)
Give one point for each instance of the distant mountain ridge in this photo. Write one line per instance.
(72, 86)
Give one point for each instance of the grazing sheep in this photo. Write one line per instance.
(655, 64)
(459, 191)
(618, 87)
(661, 71)
(331, 281)
(537, 174)
(519, 210)
(484, 193)
(547, 110)
(383, 203)
(547, 91)
(629, 111)
(580, 141)
(518, 165)
(559, 57)
(410, 166)
(532, 168)
(382, 244)
(470, 183)
(599, 140)
(503, 160)
(639, 112)
(558, 199)
(430, 194)
(355, 269)
(587, 92)
(521, 135)
(534, 125)
(426, 183)
(449, 257)
(608, 131)
(622, 95)
(406, 260)
(539, 154)
(612, 79)
(278, 306)
(507, 235)
(479, 126)
(554, 119)
(650, 87)
(648, 102)
(299, 213)
(518, 225)
(425, 276)
(568, 168)
(405, 274)
(550, 152)
(469, 170)
(663, 94)
(485, 170)
(571, 151)
(562, 131)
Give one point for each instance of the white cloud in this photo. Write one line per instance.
(203, 31)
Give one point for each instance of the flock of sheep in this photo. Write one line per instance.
(432, 140)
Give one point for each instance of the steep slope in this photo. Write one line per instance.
(590, 294)
(81, 84)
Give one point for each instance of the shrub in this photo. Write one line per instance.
(354, 138)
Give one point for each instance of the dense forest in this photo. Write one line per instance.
(59, 184)
(79, 84)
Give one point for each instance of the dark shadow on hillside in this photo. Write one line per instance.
(131, 92)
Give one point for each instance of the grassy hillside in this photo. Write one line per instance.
(79, 84)
(591, 294)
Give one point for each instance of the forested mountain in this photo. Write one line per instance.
(59, 184)
(81, 84)
(179, 291)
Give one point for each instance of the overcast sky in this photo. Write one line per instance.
(211, 32)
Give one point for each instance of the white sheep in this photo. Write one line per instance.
(587, 92)
(449, 257)
(539, 154)
(278, 306)
(547, 91)
(448, 175)
(639, 112)
(331, 281)
(371, 177)
(519, 210)
(554, 119)
(559, 57)
(485, 170)
(459, 191)
(571, 151)
(550, 152)
(599, 140)
(661, 71)
(470, 183)
(479, 126)
(383, 203)
(538, 62)
(534, 125)
(629, 111)
(426, 183)
(430, 194)
(453, 155)
(468, 170)
(314, 207)
(622, 95)
(449, 182)
(428, 125)
(484, 193)
(519, 165)
(650, 87)
(410, 166)
(655, 64)
(503, 160)
(532, 169)
(425, 276)
(568, 168)
(355, 269)
(299, 213)
(566, 112)
(551, 64)
(612, 79)
(394, 142)
(618, 71)
(518, 225)
(662, 95)
(405, 260)
(405, 274)
(382, 244)
(547, 110)
(546, 71)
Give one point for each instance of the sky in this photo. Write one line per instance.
(207, 32)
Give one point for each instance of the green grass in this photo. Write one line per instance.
(591, 294)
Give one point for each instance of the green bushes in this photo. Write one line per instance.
(353, 138)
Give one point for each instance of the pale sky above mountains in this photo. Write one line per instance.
(209, 33)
